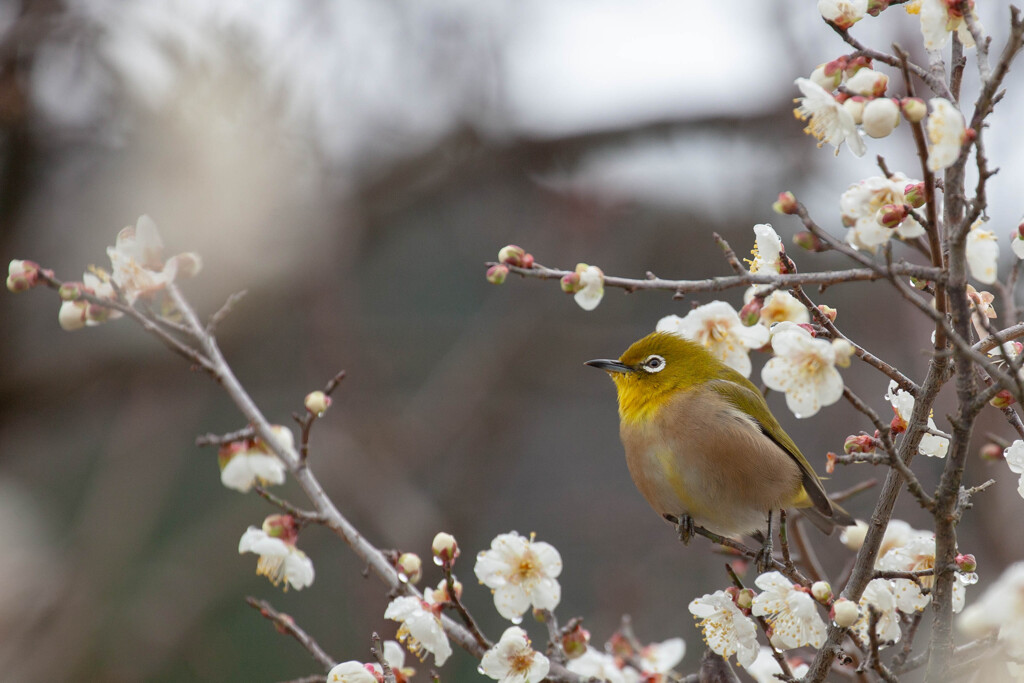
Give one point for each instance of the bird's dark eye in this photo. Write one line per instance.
(654, 364)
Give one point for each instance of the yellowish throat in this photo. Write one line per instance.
(702, 445)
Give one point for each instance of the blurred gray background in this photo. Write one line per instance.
(353, 164)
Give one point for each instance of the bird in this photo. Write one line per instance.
(703, 447)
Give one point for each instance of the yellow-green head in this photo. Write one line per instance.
(654, 369)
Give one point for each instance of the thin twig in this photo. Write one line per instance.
(286, 624)
(378, 653)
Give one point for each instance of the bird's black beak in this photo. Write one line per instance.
(608, 365)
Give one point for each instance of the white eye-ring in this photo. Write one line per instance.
(653, 363)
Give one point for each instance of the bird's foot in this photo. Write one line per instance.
(765, 559)
(684, 526)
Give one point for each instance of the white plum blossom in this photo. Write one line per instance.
(72, 315)
(878, 594)
(902, 402)
(982, 253)
(726, 630)
(591, 290)
(938, 20)
(916, 554)
(659, 658)
(512, 660)
(248, 462)
(765, 667)
(717, 326)
(519, 572)
(843, 13)
(1014, 456)
(859, 206)
(1000, 609)
(602, 666)
(829, 120)
(137, 260)
(767, 250)
(279, 559)
(350, 672)
(421, 629)
(790, 610)
(946, 133)
(780, 306)
(804, 368)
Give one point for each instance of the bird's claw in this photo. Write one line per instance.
(765, 559)
(684, 526)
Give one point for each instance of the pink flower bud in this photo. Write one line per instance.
(876, 7)
(445, 548)
(891, 215)
(859, 444)
(619, 646)
(527, 260)
(496, 274)
(575, 641)
(410, 567)
(1020, 230)
(914, 109)
(282, 527)
(821, 591)
(966, 563)
(750, 314)
(830, 462)
(96, 314)
(845, 613)
(22, 275)
(571, 283)
(71, 291)
(828, 312)
(786, 204)
(852, 66)
(317, 403)
(991, 452)
(512, 255)
(808, 241)
(827, 81)
(836, 66)
(1003, 399)
(745, 599)
(914, 195)
(898, 425)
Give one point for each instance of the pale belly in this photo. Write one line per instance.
(712, 465)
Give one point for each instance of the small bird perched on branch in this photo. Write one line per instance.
(704, 448)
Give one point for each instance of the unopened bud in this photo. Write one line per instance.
(496, 274)
(745, 599)
(828, 312)
(881, 116)
(1003, 399)
(72, 315)
(445, 548)
(96, 314)
(918, 283)
(22, 275)
(512, 255)
(898, 425)
(855, 107)
(991, 452)
(809, 328)
(859, 444)
(837, 65)
(571, 283)
(733, 592)
(876, 7)
(843, 351)
(575, 641)
(914, 195)
(1020, 230)
(70, 291)
(830, 462)
(410, 567)
(891, 215)
(808, 241)
(317, 403)
(845, 613)
(821, 591)
(853, 536)
(827, 81)
(966, 563)
(786, 204)
(619, 646)
(527, 260)
(750, 314)
(868, 82)
(914, 109)
(282, 527)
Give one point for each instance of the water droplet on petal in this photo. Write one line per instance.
(403, 578)
(438, 561)
(480, 670)
(517, 620)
